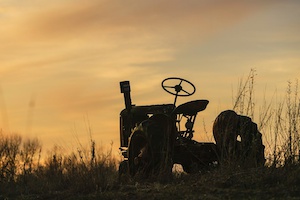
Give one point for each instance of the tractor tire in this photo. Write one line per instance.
(251, 149)
(123, 169)
(248, 150)
(151, 147)
(138, 161)
(191, 167)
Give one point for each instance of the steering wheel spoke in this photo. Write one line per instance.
(186, 92)
(169, 86)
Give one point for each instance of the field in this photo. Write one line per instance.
(92, 173)
(219, 184)
(64, 177)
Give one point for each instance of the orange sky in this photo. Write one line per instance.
(61, 61)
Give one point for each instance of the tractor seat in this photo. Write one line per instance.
(191, 108)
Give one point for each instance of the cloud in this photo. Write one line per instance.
(73, 53)
(110, 34)
(118, 18)
(52, 27)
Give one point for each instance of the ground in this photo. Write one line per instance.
(262, 183)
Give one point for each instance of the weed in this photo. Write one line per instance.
(279, 122)
(91, 173)
(78, 172)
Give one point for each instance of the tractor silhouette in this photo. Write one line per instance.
(154, 137)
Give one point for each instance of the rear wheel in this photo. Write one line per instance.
(251, 148)
(248, 150)
(225, 133)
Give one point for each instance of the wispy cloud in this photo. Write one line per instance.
(110, 34)
(119, 18)
(73, 53)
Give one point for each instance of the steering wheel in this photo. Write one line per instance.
(178, 90)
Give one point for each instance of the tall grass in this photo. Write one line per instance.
(94, 170)
(82, 171)
(244, 101)
(279, 121)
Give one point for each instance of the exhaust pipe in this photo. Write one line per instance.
(125, 89)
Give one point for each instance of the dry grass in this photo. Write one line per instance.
(22, 173)
(91, 173)
(279, 121)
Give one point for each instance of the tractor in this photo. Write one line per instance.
(155, 137)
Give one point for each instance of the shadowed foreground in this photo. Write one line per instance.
(263, 183)
(92, 174)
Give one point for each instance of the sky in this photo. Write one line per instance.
(61, 61)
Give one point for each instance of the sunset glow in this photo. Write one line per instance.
(61, 61)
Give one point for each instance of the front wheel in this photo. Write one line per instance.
(138, 153)
(123, 169)
(150, 147)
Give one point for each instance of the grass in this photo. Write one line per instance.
(22, 173)
(279, 121)
(91, 173)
